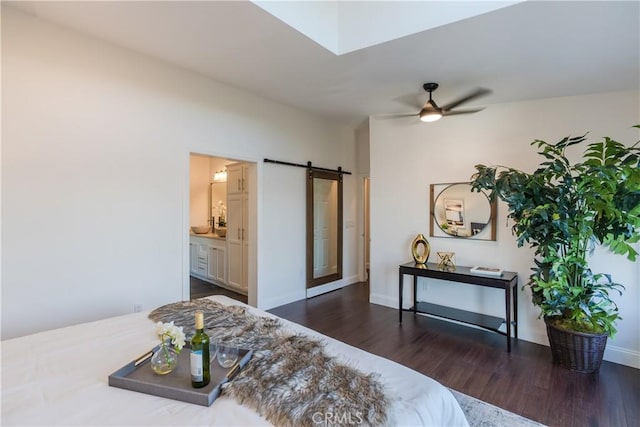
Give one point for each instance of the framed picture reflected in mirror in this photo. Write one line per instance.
(456, 211)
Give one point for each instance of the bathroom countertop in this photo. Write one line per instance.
(208, 235)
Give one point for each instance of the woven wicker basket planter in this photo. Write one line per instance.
(577, 351)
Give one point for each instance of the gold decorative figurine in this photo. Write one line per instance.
(445, 261)
(420, 258)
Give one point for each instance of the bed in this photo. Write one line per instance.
(59, 377)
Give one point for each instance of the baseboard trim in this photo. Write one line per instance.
(338, 284)
(622, 356)
(612, 353)
(270, 303)
(384, 300)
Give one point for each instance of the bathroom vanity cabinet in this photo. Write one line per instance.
(208, 258)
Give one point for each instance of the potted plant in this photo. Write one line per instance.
(564, 210)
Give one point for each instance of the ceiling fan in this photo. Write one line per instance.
(431, 112)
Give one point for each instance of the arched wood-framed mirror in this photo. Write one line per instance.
(456, 211)
(324, 227)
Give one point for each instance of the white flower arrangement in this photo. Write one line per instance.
(222, 211)
(170, 331)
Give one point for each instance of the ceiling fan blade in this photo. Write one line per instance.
(411, 100)
(473, 95)
(395, 116)
(456, 112)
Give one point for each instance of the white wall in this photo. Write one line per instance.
(95, 180)
(407, 156)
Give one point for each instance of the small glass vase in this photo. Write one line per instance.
(165, 359)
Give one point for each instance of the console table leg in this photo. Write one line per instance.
(415, 295)
(508, 312)
(515, 309)
(400, 286)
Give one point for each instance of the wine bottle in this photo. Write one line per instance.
(200, 366)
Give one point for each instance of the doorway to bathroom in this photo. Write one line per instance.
(221, 227)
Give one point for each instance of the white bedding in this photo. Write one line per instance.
(60, 377)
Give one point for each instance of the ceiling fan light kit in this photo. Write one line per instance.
(430, 116)
(431, 112)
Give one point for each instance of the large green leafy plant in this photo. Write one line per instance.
(564, 210)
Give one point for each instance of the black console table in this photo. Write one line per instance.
(507, 281)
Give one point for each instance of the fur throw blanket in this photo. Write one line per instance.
(290, 380)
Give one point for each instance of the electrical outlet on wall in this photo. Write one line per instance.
(137, 308)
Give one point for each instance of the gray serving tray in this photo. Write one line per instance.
(177, 384)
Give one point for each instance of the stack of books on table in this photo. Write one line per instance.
(487, 271)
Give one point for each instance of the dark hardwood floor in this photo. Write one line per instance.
(200, 288)
(475, 362)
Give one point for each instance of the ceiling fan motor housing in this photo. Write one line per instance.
(430, 87)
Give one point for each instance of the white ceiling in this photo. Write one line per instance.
(529, 50)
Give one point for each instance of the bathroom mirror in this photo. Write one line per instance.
(456, 211)
(324, 227)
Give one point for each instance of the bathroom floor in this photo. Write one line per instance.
(200, 288)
